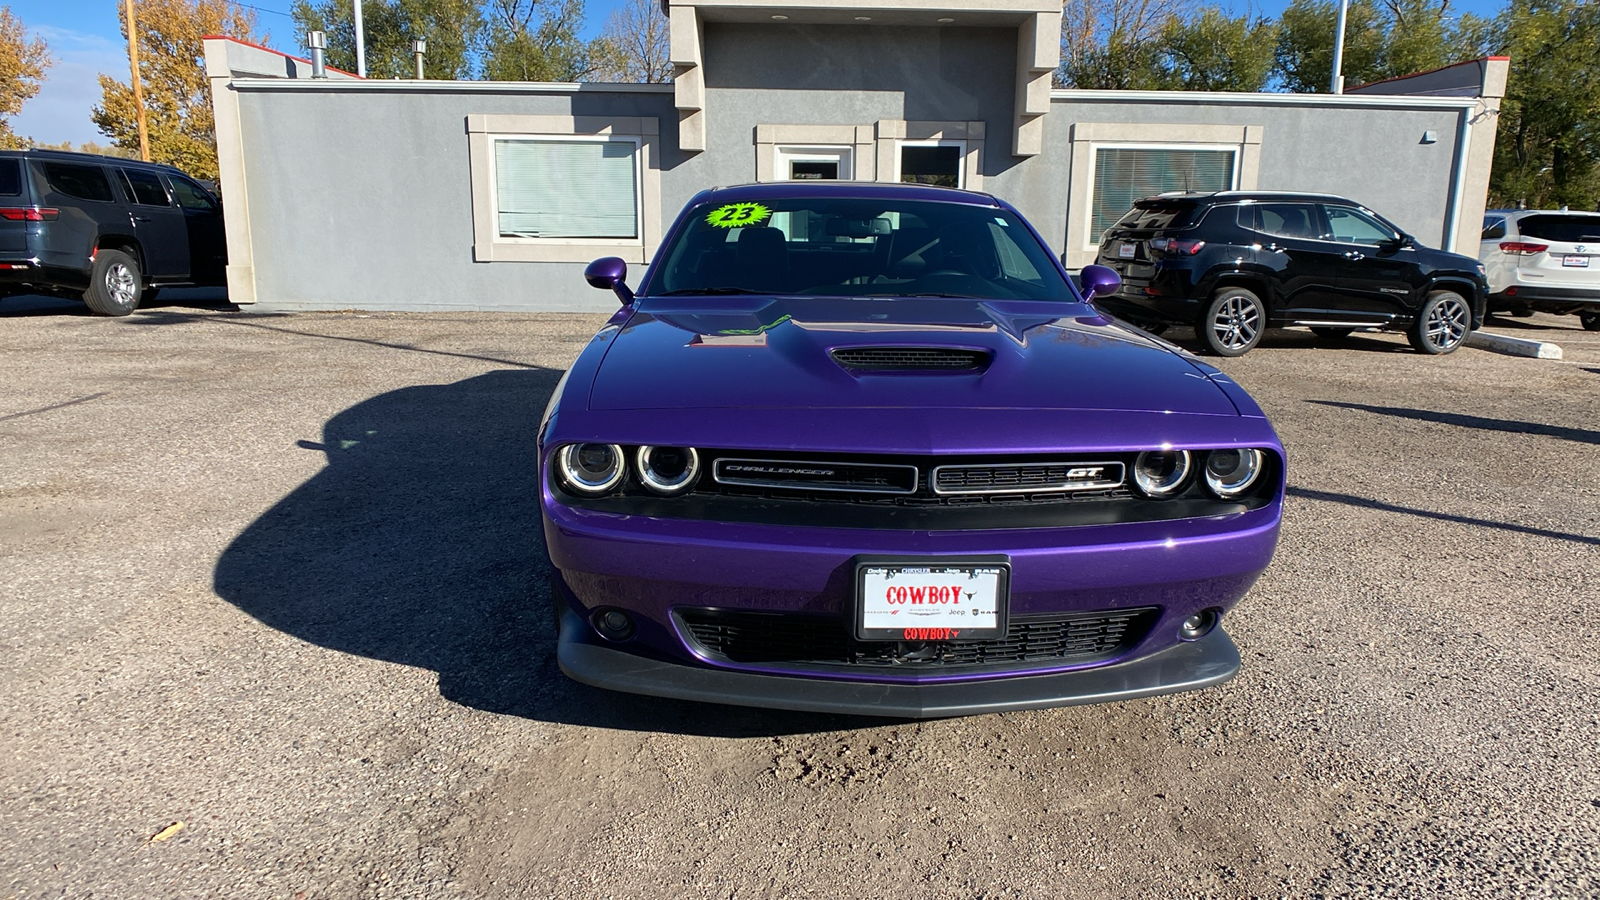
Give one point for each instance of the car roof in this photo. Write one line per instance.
(1249, 195)
(848, 190)
(74, 156)
(1523, 213)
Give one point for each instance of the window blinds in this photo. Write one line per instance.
(1123, 175)
(566, 189)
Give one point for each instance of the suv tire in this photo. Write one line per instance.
(1442, 324)
(1590, 320)
(1233, 322)
(115, 283)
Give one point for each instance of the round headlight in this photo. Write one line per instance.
(590, 469)
(668, 470)
(1161, 473)
(1230, 473)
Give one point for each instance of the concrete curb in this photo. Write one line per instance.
(1514, 346)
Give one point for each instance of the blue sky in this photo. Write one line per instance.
(85, 41)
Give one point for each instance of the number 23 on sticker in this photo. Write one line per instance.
(737, 215)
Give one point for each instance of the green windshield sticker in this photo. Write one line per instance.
(737, 215)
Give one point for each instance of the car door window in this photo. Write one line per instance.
(1350, 226)
(191, 195)
(1290, 220)
(81, 182)
(144, 188)
(1494, 228)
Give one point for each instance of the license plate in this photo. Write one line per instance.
(1579, 262)
(932, 600)
(1126, 251)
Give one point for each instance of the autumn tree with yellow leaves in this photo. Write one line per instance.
(177, 99)
(22, 67)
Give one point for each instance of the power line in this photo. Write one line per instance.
(260, 9)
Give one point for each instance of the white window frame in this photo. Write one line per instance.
(487, 245)
(783, 154)
(638, 188)
(1092, 241)
(961, 159)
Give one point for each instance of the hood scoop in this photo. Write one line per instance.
(859, 360)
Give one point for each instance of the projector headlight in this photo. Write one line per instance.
(1161, 473)
(1229, 473)
(590, 469)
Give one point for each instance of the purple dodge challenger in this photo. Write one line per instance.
(864, 448)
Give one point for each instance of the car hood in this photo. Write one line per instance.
(776, 353)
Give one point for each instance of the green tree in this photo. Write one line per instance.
(517, 49)
(177, 97)
(1547, 153)
(1383, 39)
(22, 67)
(1114, 44)
(452, 29)
(1217, 52)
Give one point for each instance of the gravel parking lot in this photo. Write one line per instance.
(276, 578)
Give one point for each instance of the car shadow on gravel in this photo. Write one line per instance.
(419, 544)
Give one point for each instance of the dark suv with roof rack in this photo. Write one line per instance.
(1234, 263)
(106, 230)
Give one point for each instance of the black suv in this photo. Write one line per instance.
(1235, 263)
(105, 229)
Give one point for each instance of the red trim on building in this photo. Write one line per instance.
(1467, 62)
(223, 37)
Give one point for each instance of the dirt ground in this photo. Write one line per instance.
(276, 578)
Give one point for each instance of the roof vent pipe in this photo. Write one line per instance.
(317, 42)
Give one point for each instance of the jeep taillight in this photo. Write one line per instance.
(29, 214)
(1523, 248)
(1175, 247)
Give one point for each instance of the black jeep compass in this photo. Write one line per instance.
(1235, 263)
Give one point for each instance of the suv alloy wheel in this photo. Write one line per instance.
(1442, 324)
(1233, 322)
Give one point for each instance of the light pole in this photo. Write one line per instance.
(1336, 84)
(361, 44)
(138, 89)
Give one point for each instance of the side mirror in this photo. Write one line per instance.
(1099, 281)
(610, 273)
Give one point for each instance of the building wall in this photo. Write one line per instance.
(362, 197)
(359, 193)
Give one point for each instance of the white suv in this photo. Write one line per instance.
(1548, 260)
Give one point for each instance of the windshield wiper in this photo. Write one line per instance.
(954, 296)
(705, 292)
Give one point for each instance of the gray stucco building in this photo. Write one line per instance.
(349, 193)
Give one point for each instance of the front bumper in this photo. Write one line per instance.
(1209, 661)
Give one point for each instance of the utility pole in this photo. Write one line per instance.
(1336, 84)
(361, 44)
(138, 90)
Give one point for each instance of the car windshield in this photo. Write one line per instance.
(844, 247)
(1565, 229)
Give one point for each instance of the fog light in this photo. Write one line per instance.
(1199, 625)
(613, 624)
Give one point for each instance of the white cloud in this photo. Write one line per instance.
(60, 111)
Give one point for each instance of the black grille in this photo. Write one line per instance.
(781, 638)
(910, 359)
(1022, 478)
